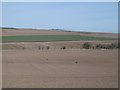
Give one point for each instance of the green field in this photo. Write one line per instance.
(52, 38)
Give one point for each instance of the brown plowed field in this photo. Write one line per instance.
(25, 66)
(12, 32)
(60, 69)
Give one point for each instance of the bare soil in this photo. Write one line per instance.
(25, 66)
(15, 32)
(57, 68)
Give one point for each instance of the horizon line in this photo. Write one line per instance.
(59, 29)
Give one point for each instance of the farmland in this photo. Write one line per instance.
(60, 68)
(27, 63)
(52, 38)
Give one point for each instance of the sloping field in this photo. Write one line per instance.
(52, 38)
(22, 31)
(18, 32)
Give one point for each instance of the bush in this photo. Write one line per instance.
(42, 48)
(98, 46)
(48, 47)
(93, 47)
(63, 47)
(118, 44)
(23, 48)
(113, 45)
(107, 46)
(39, 47)
(103, 46)
(87, 45)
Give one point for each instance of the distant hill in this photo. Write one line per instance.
(28, 31)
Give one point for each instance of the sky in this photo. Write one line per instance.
(76, 16)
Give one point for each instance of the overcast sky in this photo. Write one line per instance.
(78, 16)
